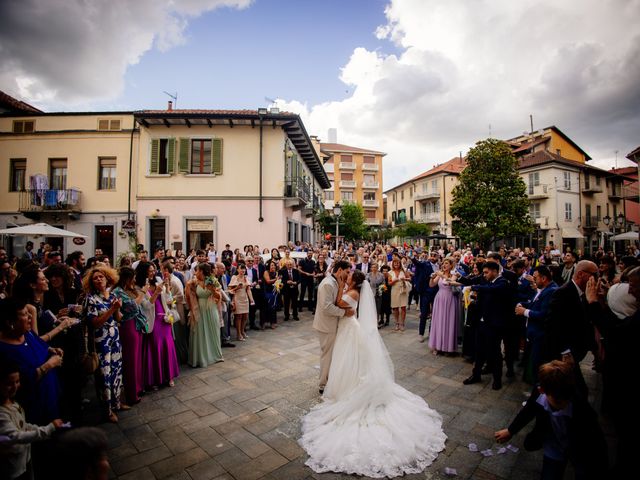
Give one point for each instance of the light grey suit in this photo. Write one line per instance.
(325, 322)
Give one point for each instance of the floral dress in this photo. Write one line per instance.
(109, 349)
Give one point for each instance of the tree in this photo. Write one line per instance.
(352, 222)
(412, 229)
(490, 202)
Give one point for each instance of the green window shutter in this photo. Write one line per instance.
(155, 154)
(216, 156)
(171, 156)
(184, 155)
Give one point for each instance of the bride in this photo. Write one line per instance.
(368, 424)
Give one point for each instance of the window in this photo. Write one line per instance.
(393, 216)
(346, 176)
(567, 180)
(567, 212)
(163, 154)
(108, 124)
(369, 179)
(402, 195)
(346, 159)
(534, 210)
(410, 192)
(534, 180)
(434, 186)
(369, 195)
(599, 212)
(368, 159)
(587, 181)
(347, 196)
(597, 180)
(370, 214)
(328, 195)
(23, 126)
(107, 173)
(58, 173)
(17, 174)
(411, 213)
(425, 187)
(587, 214)
(201, 156)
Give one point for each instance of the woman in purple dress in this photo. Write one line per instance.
(159, 350)
(444, 319)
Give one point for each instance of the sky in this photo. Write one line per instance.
(421, 80)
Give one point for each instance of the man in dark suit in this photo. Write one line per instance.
(567, 331)
(253, 277)
(535, 312)
(307, 267)
(290, 280)
(364, 266)
(494, 305)
(426, 294)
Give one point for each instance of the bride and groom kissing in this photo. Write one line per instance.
(366, 424)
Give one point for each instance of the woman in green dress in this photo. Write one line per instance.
(203, 298)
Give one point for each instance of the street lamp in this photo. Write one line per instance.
(337, 211)
(619, 222)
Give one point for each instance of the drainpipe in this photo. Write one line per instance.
(260, 218)
(133, 129)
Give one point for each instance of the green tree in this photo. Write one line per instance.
(352, 222)
(411, 229)
(490, 202)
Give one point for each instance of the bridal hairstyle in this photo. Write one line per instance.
(357, 277)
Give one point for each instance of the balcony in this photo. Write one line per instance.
(542, 222)
(615, 193)
(297, 192)
(370, 185)
(370, 167)
(591, 222)
(347, 184)
(372, 221)
(538, 191)
(428, 218)
(370, 203)
(426, 196)
(591, 188)
(53, 201)
(347, 166)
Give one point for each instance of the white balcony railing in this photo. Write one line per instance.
(370, 167)
(426, 196)
(541, 222)
(347, 184)
(347, 166)
(373, 221)
(371, 203)
(371, 185)
(538, 191)
(428, 218)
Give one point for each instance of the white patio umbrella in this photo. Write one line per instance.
(43, 229)
(625, 236)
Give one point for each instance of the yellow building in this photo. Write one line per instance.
(426, 197)
(356, 177)
(70, 170)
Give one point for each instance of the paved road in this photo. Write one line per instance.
(240, 419)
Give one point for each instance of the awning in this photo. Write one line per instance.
(625, 236)
(571, 232)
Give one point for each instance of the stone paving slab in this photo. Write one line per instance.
(240, 419)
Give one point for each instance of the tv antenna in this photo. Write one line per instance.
(174, 97)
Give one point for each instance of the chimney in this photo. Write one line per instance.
(332, 135)
(170, 106)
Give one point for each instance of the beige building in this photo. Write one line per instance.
(356, 177)
(70, 170)
(426, 197)
(237, 177)
(175, 178)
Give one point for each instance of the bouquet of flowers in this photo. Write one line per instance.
(172, 315)
(278, 285)
(381, 289)
(212, 280)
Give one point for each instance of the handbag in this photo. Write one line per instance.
(89, 360)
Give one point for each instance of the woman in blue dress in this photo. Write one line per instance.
(37, 361)
(103, 314)
(204, 321)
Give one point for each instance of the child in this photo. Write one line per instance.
(15, 434)
(566, 426)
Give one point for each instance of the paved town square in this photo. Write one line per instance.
(241, 419)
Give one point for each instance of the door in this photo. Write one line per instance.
(104, 240)
(157, 230)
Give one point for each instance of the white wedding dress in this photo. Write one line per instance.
(367, 424)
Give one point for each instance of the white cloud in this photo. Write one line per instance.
(74, 51)
(468, 67)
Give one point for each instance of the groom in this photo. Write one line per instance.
(327, 315)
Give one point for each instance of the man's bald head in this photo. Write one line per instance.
(585, 269)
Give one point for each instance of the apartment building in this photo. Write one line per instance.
(356, 177)
(426, 197)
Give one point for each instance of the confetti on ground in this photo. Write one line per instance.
(281, 353)
(317, 367)
(473, 447)
(219, 445)
(502, 450)
(452, 472)
(487, 453)
(243, 359)
(512, 448)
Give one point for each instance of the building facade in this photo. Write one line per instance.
(356, 177)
